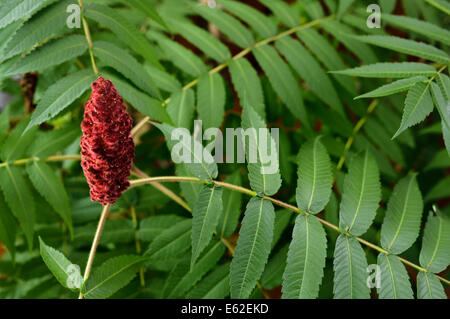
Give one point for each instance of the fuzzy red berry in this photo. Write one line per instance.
(107, 149)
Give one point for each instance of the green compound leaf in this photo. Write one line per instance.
(20, 199)
(350, 270)
(404, 211)
(314, 177)
(111, 276)
(435, 253)
(15, 10)
(394, 280)
(211, 98)
(361, 195)
(123, 29)
(305, 260)
(206, 213)
(253, 247)
(418, 105)
(393, 87)
(441, 102)
(67, 274)
(390, 70)
(45, 25)
(406, 46)
(51, 188)
(54, 53)
(263, 172)
(429, 287)
(418, 26)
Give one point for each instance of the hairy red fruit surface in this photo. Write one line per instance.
(107, 149)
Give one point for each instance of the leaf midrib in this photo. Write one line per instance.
(314, 174)
(350, 268)
(250, 256)
(305, 264)
(363, 186)
(402, 216)
(436, 246)
(205, 217)
(394, 289)
(419, 100)
(112, 275)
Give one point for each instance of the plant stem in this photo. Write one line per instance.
(138, 244)
(88, 38)
(143, 181)
(230, 247)
(241, 54)
(149, 180)
(439, 6)
(55, 158)
(58, 158)
(355, 131)
(98, 233)
(163, 189)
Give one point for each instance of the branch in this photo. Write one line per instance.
(88, 38)
(98, 233)
(55, 158)
(355, 131)
(143, 181)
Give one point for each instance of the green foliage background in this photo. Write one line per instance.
(364, 118)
